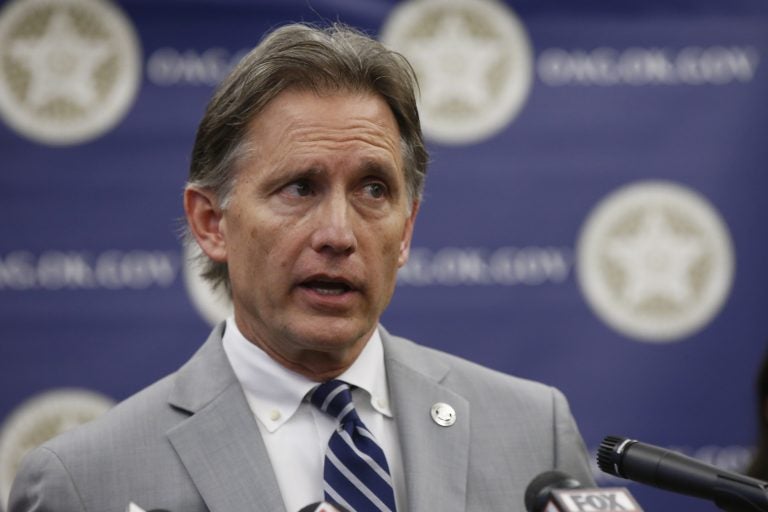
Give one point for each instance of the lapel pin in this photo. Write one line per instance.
(443, 414)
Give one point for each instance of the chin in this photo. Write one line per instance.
(333, 335)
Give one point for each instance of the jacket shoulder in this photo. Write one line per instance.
(133, 422)
(455, 371)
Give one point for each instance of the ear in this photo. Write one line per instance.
(405, 243)
(205, 220)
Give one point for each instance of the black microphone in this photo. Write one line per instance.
(323, 506)
(555, 491)
(539, 491)
(678, 473)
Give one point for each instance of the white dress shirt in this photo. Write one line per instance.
(295, 432)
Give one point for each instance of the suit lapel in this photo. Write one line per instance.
(435, 458)
(220, 444)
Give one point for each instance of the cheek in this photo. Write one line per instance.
(277, 246)
(389, 251)
(249, 244)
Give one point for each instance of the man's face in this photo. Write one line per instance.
(317, 224)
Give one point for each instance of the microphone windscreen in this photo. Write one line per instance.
(539, 491)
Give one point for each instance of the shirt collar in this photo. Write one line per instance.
(275, 392)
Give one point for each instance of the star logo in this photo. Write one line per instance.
(473, 61)
(455, 63)
(655, 261)
(61, 64)
(69, 69)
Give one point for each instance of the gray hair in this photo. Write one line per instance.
(299, 56)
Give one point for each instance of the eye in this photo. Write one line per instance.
(299, 188)
(376, 189)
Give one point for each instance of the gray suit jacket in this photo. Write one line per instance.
(189, 443)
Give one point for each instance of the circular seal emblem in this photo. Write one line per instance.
(39, 419)
(214, 305)
(69, 69)
(655, 261)
(473, 61)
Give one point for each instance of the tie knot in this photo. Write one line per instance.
(335, 398)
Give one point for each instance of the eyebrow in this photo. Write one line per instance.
(368, 167)
(279, 177)
(383, 169)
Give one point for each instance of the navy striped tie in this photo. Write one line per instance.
(356, 473)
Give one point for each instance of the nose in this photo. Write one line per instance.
(334, 231)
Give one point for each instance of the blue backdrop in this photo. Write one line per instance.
(593, 218)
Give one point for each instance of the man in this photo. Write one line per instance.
(305, 183)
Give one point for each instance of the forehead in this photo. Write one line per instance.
(299, 120)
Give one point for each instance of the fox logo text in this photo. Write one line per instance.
(594, 500)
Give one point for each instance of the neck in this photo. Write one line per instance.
(314, 366)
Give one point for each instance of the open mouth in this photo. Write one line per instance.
(327, 287)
